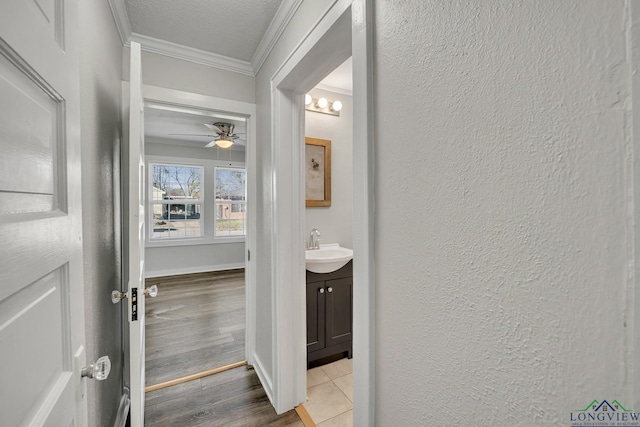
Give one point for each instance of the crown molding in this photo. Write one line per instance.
(281, 19)
(279, 22)
(334, 89)
(186, 53)
(121, 17)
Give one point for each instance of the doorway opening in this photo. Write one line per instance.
(199, 230)
(329, 345)
(344, 30)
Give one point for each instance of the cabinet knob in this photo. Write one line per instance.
(321, 290)
(329, 289)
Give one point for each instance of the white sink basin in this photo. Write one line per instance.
(328, 258)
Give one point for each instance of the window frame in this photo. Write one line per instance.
(151, 203)
(207, 190)
(231, 203)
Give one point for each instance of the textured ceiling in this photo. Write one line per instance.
(231, 28)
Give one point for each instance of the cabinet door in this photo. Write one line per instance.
(339, 305)
(315, 316)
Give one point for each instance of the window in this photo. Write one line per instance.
(176, 202)
(231, 201)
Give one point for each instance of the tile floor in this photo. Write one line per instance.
(330, 394)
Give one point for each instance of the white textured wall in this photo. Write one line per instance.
(100, 84)
(163, 71)
(334, 222)
(306, 16)
(501, 210)
(168, 260)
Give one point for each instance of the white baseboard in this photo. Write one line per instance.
(123, 409)
(191, 270)
(264, 378)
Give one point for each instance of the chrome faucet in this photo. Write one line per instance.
(314, 239)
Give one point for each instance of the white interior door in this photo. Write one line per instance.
(135, 234)
(42, 343)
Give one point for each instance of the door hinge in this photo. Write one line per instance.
(248, 255)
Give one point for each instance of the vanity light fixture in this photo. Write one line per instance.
(322, 105)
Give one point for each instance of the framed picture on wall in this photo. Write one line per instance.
(317, 172)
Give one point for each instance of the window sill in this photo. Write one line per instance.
(193, 242)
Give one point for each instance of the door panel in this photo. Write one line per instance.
(135, 234)
(33, 119)
(41, 281)
(315, 316)
(339, 310)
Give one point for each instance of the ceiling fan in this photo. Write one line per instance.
(224, 137)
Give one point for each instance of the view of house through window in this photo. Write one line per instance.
(176, 201)
(231, 199)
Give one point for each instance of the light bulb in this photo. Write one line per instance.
(336, 106)
(224, 142)
(322, 103)
(307, 99)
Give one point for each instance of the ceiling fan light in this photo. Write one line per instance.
(322, 103)
(307, 99)
(224, 142)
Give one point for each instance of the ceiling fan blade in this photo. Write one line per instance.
(193, 134)
(213, 127)
(211, 144)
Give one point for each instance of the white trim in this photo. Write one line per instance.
(364, 279)
(121, 18)
(265, 381)
(123, 409)
(334, 89)
(197, 56)
(279, 22)
(192, 270)
(321, 50)
(181, 98)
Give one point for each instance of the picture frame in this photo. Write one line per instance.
(317, 170)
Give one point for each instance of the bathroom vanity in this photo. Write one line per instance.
(329, 313)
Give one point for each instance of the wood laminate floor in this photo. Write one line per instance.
(231, 398)
(196, 323)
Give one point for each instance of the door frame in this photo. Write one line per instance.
(324, 48)
(247, 110)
